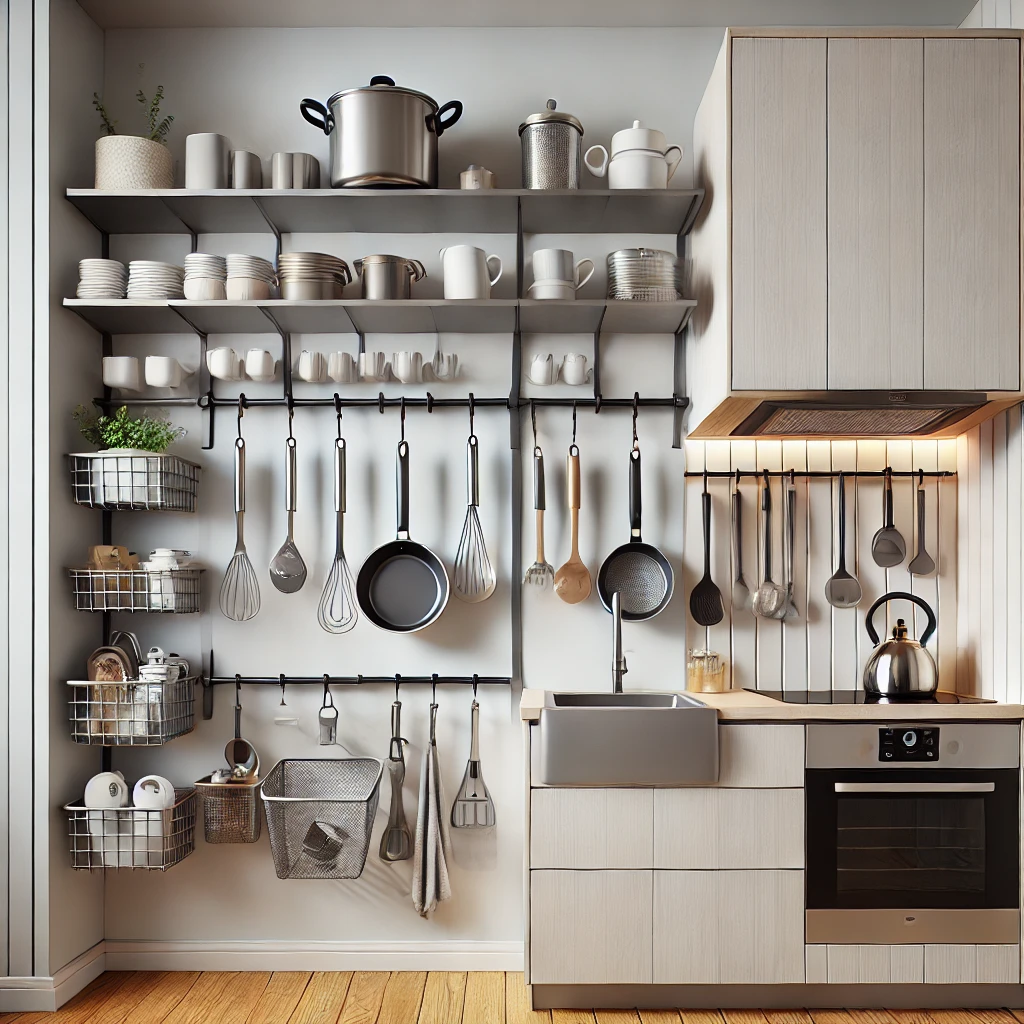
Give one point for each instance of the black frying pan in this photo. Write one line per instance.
(638, 571)
(402, 586)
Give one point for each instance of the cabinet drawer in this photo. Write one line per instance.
(729, 828)
(853, 964)
(591, 927)
(950, 964)
(761, 756)
(591, 828)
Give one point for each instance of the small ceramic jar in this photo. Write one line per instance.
(639, 159)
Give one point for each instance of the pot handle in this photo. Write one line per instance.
(673, 163)
(382, 80)
(325, 122)
(899, 595)
(435, 122)
(416, 269)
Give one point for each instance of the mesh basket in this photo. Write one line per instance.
(126, 837)
(136, 590)
(319, 815)
(231, 811)
(147, 482)
(132, 714)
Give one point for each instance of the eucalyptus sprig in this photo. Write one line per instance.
(109, 126)
(121, 430)
(157, 128)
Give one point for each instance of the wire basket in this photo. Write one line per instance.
(137, 713)
(134, 481)
(126, 837)
(136, 590)
(231, 811)
(319, 815)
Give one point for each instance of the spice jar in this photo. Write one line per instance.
(705, 672)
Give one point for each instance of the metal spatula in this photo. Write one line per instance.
(843, 589)
(706, 599)
(473, 806)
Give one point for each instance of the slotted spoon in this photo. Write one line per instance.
(338, 610)
(474, 575)
(240, 590)
(541, 573)
(769, 598)
(287, 569)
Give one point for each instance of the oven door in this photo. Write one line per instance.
(926, 855)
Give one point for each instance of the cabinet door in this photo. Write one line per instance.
(779, 284)
(590, 927)
(955, 964)
(756, 755)
(875, 214)
(728, 927)
(972, 215)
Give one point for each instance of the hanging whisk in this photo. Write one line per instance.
(240, 591)
(338, 610)
(474, 574)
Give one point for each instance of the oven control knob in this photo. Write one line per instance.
(909, 738)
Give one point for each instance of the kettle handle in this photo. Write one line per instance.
(900, 595)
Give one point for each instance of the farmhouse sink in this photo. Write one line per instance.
(624, 739)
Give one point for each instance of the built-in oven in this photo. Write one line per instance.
(913, 833)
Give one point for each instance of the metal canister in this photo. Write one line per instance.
(552, 143)
(388, 277)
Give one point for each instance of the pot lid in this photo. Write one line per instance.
(552, 116)
(382, 258)
(638, 137)
(381, 83)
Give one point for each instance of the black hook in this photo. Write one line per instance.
(380, 402)
(238, 692)
(792, 477)
(433, 688)
(327, 690)
(766, 481)
(398, 683)
(284, 703)
(920, 478)
(738, 478)
(430, 402)
(472, 412)
(574, 421)
(291, 415)
(705, 481)
(636, 411)
(597, 403)
(533, 420)
(402, 417)
(242, 406)
(476, 679)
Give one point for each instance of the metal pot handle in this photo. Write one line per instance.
(900, 595)
(435, 122)
(382, 80)
(325, 122)
(417, 270)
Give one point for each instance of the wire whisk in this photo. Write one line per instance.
(474, 575)
(240, 590)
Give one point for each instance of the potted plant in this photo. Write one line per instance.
(135, 161)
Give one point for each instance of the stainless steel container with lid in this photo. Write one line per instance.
(646, 275)
(388, 277)
(382, 134)
(552, 143)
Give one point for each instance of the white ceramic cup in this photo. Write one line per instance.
(204, 289)
(207, 161)
(341, 367)
(468, 272)
(246, 289)
(121, 372)
(281, 170)
(312, 367)
(260, 365)
(153, 793)
(246, 169)
(574, 368)
(224, 364)
(372, 365)
(643, 168)
(558, 290)
(542, 369)
(107, 789)
(445, 368)
(407, 367)
(163, 372)
(557, 265)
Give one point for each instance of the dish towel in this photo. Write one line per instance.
(433, 846)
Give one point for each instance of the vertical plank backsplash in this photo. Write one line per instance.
(826, 647)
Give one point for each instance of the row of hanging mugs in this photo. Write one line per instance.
(258, 364)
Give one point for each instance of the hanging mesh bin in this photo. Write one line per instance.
(231, 810)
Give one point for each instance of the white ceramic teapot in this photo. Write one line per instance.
(639, 159)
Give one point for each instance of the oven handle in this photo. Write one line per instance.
(915, 787)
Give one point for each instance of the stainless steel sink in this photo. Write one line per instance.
(624, 739)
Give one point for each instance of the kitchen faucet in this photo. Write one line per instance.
(618, 658)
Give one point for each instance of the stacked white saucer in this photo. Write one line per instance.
(150, 279)
(101, 279)
(249, 277)
(205, 275)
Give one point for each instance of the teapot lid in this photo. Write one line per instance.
(638, 137)
(551, 115)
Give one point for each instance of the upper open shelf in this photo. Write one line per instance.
(413, 211)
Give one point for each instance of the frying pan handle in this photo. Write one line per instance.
(572, 476)
(289, 474)
(403, 490)
(539, 499)
(472, 471)
(887, 501)
(239, 474)
(899, 595)
(766, 509)
(339, 475)
(634, 495)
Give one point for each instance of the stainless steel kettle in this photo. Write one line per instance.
(900, 667)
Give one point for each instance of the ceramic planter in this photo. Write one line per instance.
(132, 162)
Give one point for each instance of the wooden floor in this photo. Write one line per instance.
(406, 997)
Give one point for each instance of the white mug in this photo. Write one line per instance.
(260, 364)
(224, 364)
(312, 367)
(407, 367)
(163, 372)
(341, 367)
(574, 368)
(121, 372)
(207, 161)
(557, 265)
(542, 369)
(444, 368)
(372, 365)
(559, 290)
(468, 273)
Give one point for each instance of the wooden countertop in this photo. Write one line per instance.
(741, 705)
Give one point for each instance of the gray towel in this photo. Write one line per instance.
(430, 883)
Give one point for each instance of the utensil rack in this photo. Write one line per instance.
(852, 474)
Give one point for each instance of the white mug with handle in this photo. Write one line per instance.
(574, 368)
(468, 272)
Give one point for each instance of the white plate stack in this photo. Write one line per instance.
(312, 275)
(249, 277)
(101, 279)
(205, 276)
(149, 279)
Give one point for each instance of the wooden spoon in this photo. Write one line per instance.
(572, 581)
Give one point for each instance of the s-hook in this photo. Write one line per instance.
(472, 410)
(337, 410)
(533, 420)
(433, 709)
(380, 402)
(636, 410)
(283, 703)
(402, 417)
(398, 683)
(291, 417)
(242, 406)
(476, 680)
(574, 421)
(328, 716)
(430, 402)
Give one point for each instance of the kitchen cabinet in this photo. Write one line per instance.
(755, 756)
(966, 964)
(728, 927)
(854, 964)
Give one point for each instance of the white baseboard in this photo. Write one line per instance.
(20, 995)
(314, 956)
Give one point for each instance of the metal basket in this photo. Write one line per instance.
(231, 811)
(126, 837)
(127, 590)
(137, 713)
(147, 482)
(319, 815)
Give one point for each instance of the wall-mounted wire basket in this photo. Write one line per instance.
(319, 815)
(136, 590)
(126, 837)
(137, 713)
(134, 481)
(231, 810)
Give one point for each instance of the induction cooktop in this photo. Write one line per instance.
(861, 697)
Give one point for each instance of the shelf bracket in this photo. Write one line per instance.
(273, 227)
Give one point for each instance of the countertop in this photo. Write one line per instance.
(742, 705)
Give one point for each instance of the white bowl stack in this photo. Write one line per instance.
(312, 275)
(205, 276)
(249, 277)
(150, 279)
(101, 279)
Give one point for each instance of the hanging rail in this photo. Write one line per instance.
(816, 474)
